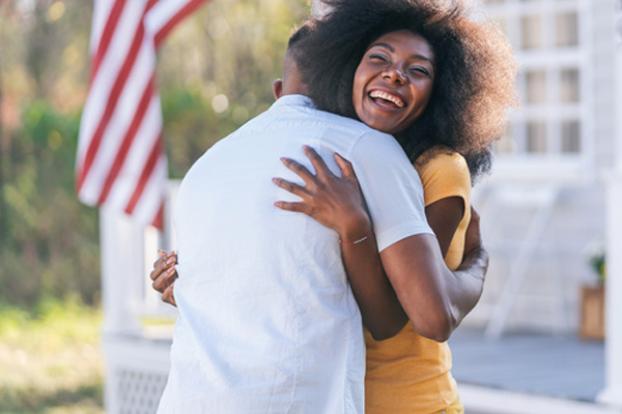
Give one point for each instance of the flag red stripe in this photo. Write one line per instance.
(127, 141)
(191, 6)
(108, 161)
(152, 160)
(104, 41)
(111, 103)
(158, 220)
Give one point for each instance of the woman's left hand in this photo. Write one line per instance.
(336, 202)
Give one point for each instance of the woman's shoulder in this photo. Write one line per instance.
(444, 173)
(444, 159)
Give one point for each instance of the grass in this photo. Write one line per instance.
(50, 359)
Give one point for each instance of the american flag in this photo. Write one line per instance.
(121, 161)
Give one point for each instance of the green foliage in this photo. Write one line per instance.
(232, 50)
(52, 248)
(598, 263)
(50, 361)
(214, 73)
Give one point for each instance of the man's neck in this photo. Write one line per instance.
(294, 90)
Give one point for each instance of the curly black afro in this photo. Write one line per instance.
(475, 70)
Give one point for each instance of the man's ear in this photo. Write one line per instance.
(277, 88)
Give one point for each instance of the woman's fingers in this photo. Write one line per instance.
(295, 189)
(160, 260)
(168, 295)
(345, 166)
(318, 162)
(300, 170)
(293, 206)
(171, 258)
(158, 267)
(165, 279)
(164, 261)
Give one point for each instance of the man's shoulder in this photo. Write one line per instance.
(352, 126)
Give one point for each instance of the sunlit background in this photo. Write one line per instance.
(533, 345)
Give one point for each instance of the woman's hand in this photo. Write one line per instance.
(164, 274)
(336, 202)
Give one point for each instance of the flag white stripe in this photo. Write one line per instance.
(147, 134)
(107, 74)
(153, 194)
(101, 12)
(162, 12)
(119, 122)
(139, 154)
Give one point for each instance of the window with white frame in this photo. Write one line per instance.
(551, 44)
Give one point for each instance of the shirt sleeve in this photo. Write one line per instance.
(392, 188)
(445, 174)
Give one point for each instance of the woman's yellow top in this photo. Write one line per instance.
(410, 374)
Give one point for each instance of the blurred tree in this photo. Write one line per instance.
(214, 73)
(3, 211)
(217, 70)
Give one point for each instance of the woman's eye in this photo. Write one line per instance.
(418, 70)
(378, 58)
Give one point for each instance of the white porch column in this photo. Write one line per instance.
(613, 346)
(613, 343)
(122, 261)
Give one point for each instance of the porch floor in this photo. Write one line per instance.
(558, 366)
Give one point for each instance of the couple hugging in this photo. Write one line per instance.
(319, 272)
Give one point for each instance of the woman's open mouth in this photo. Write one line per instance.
(386, 100)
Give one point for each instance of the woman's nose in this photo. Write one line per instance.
(395, 75)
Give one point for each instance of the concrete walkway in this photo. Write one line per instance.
(528, 373)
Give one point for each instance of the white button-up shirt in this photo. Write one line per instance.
(267, 321)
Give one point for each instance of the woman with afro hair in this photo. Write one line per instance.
(441, 84)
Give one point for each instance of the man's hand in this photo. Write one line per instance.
(164, 274)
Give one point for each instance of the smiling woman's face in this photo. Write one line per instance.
(393, 82)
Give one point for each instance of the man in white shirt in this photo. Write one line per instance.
(267, 321)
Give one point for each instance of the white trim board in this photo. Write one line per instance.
(483, 400)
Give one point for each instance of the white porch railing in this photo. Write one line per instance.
(136, 353)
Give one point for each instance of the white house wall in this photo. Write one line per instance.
(548, 297)
(548, 294)
(604, 47)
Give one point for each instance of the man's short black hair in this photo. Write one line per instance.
(298, 36)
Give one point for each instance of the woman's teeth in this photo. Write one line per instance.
(387, 97)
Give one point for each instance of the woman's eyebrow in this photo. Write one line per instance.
(384, 45)
(423, 57)
(392, 49)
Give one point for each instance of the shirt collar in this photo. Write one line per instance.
(293, 100)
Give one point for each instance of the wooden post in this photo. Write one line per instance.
(612, 394)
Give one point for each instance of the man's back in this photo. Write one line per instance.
(267, 322)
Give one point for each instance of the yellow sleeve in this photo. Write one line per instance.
(445, 175)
